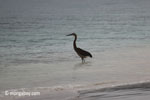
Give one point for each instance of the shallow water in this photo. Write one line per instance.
(35, 50)
(35, 31)
(77, 81)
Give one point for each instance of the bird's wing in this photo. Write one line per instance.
(83, 52)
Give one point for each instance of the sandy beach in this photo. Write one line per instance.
(124, 67)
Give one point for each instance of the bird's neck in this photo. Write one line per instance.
(74, 43)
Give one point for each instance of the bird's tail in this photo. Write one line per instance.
(90, 55)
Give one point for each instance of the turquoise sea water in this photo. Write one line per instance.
(34, 31)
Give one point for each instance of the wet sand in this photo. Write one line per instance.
(110, 68)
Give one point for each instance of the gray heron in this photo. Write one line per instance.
(82, 53)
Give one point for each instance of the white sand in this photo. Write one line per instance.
(120, 66)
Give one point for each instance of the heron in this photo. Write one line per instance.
(81, 53)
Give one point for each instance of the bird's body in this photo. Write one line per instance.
(82, 53)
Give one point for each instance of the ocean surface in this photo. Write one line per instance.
(35, 52)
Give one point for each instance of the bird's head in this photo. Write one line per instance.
(74, 34)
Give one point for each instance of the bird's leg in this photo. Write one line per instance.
(83, 61)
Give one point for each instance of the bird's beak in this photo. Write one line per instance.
(69, 35)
